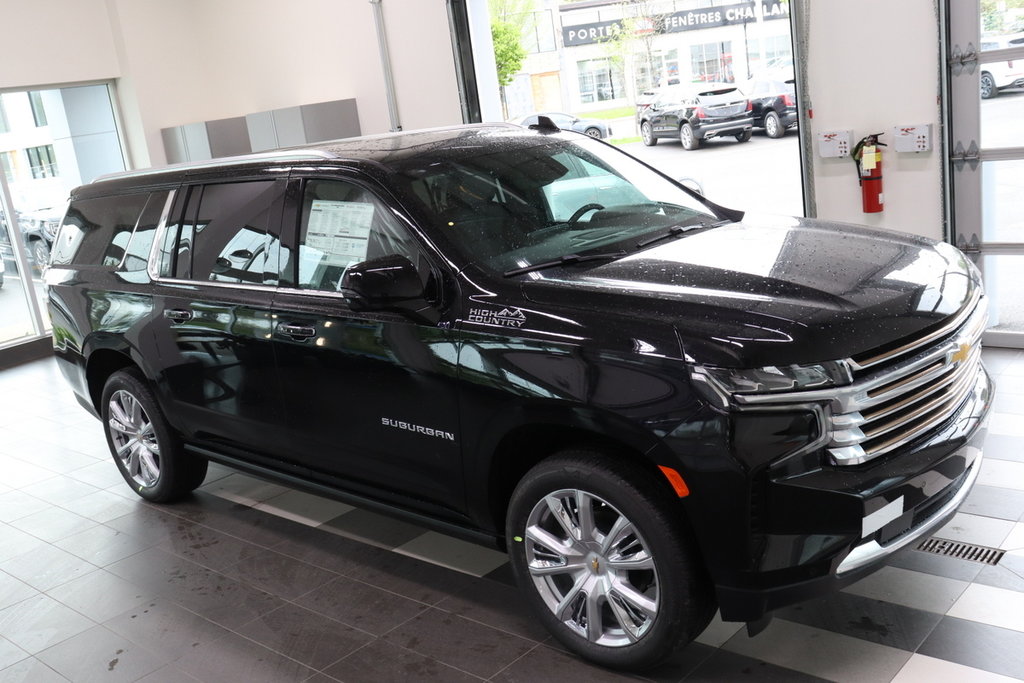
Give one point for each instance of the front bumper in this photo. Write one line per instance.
(827, 528)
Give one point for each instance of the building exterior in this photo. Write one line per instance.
(600, 54)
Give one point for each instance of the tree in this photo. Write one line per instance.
(508, 50)
(633, 45)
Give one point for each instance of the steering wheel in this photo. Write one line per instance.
(578, 214)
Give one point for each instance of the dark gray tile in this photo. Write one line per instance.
(236, 519)
(102, 506)
(279, 574)
(99, 654)
(680, 664)
(408, 576)
(324, 549)
(233, 658)
(723, 665)
(937, 565)
(39, 622)
(1003, 447)
(165, 628)
(868, 619)
(977, 645)
(463, 644)
(168, 674)
(546, 665)
(102, 545)
(375, 528)
(60, 490)
(219, 598)
(306, 636)
(502, 574)
(1008, 574)
(151, 524)
(101, 474)
(382, 662)
(497, 605)
(362, 606)
(53, 524)
(994, 501)
(206, 546)
(100, 595)
(47, 567)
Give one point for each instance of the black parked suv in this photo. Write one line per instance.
(531, 339)
(695, 112)
(774, 105)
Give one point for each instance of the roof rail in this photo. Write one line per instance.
(292, 155)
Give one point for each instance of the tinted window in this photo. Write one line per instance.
(341, 224)
(136, 256)
(222, 233)
(91, 226)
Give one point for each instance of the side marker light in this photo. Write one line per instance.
(676, 479)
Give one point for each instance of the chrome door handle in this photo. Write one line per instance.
(297, 332)
(178, 315)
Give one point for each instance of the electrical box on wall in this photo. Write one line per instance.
(917, 138)
(834, 143)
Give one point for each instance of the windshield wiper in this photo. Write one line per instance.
(677, 230)
(567, 260)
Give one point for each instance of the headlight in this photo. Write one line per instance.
(774, 378)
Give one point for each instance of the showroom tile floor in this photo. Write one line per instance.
(250, 581)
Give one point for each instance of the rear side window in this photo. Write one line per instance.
(225, 232)
(95, 231)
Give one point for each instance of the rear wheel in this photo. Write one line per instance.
(688, 138)
(988, 86)
(598, 546)
(773, 125)
(593, 132)
(647, 134)
(744, 136)
(147, 452)
(39, 250)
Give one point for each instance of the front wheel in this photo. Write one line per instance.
(598, 546)
(647, 134)
(593, 132)
(147, 452)
(688, 138)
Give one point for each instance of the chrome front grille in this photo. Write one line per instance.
(899, 394)
(894, 405)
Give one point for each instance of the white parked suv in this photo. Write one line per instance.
(1005, 74)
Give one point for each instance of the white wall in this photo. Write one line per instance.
(872, 65)
(184, 61)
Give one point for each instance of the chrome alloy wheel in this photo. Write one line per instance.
(592, 568)
(134, 439)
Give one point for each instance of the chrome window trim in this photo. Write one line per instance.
(161, 228)
(309, 155)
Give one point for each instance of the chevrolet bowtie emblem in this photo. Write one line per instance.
(960, 354)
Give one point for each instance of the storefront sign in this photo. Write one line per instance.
(708, 17)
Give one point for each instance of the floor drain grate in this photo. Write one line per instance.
(963, 551)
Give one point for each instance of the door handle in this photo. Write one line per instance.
(297, 332)
(178, 315)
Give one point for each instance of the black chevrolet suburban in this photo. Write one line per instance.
(657, 405)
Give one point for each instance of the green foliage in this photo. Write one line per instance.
(508, 50)
(994, 17)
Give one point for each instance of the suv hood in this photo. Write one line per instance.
(775, 290)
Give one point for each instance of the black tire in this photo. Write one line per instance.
(773, 125)
(151, 457)
(688, 137)
(744, 136)
(670, 602)
(647, 134)
(593, 132)
(39, 251)
(988, 86)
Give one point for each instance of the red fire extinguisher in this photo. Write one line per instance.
(869, 171)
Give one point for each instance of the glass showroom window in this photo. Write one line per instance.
(712, 62)
(600, 80)
(39, 172)
(42, 161)
(539, 32)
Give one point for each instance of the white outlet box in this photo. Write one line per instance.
(915, 138)
(834, 143)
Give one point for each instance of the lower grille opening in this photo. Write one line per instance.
(962, 551)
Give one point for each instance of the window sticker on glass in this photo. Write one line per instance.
(340, 230)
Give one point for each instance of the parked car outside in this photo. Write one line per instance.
(658, 406)
(595, 128)
(38, 228)
(996, 76)
(773, 105)
(695, 112)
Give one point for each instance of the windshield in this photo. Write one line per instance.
(531, 199)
